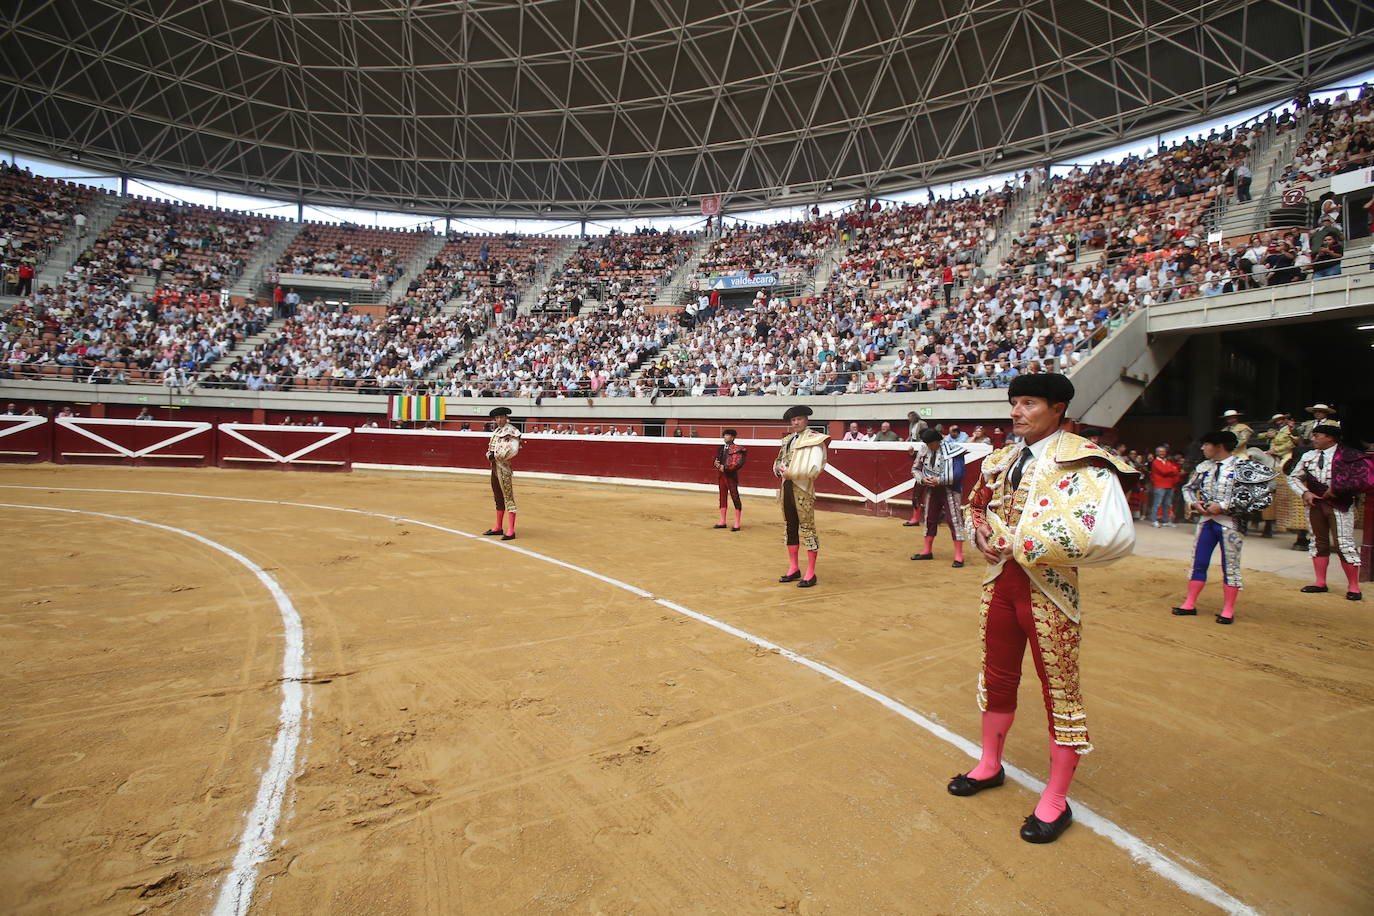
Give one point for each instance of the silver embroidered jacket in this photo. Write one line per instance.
(1239, 485)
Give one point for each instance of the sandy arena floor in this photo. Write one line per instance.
(491, 733)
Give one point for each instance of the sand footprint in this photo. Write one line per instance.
(61, 798)
(167, 845)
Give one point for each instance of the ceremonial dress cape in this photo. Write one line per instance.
(946, 463)
(504, 444)
(1070, 511)
(802, 456)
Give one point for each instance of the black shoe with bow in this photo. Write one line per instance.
(965, 785)
(1035, 830)
(790, 577)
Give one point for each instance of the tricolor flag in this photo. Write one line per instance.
(420, 408)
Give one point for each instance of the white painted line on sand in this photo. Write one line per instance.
(255, 845)
(1139, 850)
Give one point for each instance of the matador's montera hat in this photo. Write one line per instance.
(499, 412)
(801, 410)
(1051, 386)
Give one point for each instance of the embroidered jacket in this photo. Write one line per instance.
(1237, 484)
(945, 463)
(1069, 511)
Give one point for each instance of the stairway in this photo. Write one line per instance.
(681, 279)
(246, 345)
(100, 215)
(1014, 222)
(1269, 158)
(553, 263)
(826, 266)
(418, 264)
(269, 250)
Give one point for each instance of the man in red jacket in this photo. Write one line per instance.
(1164, 476)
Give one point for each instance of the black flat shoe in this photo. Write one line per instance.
(957, 564)
(507, 537)
(1314, 589)
(734, 529)
(923, 556)
(717, 526)
(1185, 612)
(1035, 830)
(911, 524)
(964, 785)
(491, 531)
(807, 583)
(1226, 620)
(790, 577)
(1354, 596)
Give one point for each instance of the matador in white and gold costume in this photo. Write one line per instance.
(502, 448)
(1041, 510)
(1329, 480)
(801, 458)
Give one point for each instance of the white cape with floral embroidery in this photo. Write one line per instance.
(1075, 514)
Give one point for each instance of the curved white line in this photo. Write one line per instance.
(1139, 850)
(256, 843)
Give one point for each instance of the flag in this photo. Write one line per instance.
(419, 408)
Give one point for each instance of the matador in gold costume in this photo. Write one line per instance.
(502, 448)
(1041, 509)
(800, 461)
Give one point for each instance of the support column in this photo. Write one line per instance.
(1203, 371)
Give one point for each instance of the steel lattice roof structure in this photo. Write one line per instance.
(615, 108)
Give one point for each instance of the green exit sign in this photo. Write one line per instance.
(926, 411)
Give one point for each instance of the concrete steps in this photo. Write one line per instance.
(264, 259)
(681, 280)
(552, 264)
(100, 215)
(418, 264)
(247, 345)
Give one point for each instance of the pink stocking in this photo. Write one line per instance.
(722, 516)
(510, 523)
(792, 551)
(1228, 604)
(929, 544)
(1195, 587)
(738, 512)
(811, 564)
(1063, 761)
(500, 519)
(958, 551)
(1319, 565)
(996, 725)
(1352, 577)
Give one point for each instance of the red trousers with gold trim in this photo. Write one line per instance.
(1017, 616)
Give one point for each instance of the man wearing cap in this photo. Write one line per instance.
(940, 471)
(1328, 479)
(1319, 412)
(800, 461)
(1041, 509)
(1223, 487)
(502, 448)
(1236, 426)
(729, 459)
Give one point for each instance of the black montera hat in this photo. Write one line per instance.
(801, 410)
(728, 432)
(1051, 386)
(499, 412)
(1328, 426)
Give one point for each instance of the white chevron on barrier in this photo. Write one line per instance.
(334, 434)
(188, 429)
(20, 424)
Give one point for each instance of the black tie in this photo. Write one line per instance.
(1020, 468)
(1321, 461)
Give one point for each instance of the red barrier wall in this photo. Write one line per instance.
(25, 439)
(162, 443)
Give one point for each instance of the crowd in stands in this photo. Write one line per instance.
(622, 270)
(791, 249)
(480, 271)
(35, 213)
(109, 335)
(1339, 138)
(541, 356)
(348, 351)
(183, 248)
(349, 251)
